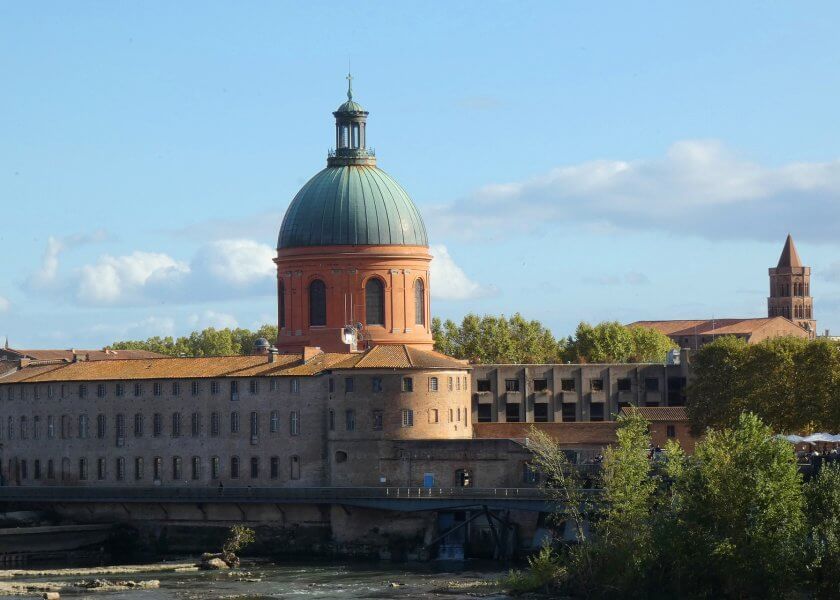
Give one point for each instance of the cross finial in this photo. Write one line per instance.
(349, 86)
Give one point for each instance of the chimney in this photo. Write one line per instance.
(310, 352)
(24, 362)
(272, 354)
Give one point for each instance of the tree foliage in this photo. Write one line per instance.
(208, 342)
(516, 340)
(727, 522)
(791, 383)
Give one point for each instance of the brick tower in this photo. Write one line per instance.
(790, 290)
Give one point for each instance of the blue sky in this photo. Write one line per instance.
(572, 161)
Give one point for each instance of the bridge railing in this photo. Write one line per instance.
(269, 494)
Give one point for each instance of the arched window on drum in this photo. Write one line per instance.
(419, 303)
(374, 302)
(317, 303)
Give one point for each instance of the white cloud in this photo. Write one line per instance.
(118, 279)
(211, 318)
(448, 280)
(699, 187)
(47, 274)
(239, 262)
(5, 305)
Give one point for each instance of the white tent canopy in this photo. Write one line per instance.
(814, 438)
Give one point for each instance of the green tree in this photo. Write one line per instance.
(208, 342)
(823, 500)
(739, 510)
(624, 544)
(611, 341)
(713, 396)
(491, 339)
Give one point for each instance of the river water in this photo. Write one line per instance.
(304, 582)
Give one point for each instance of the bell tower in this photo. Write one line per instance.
(790, 290)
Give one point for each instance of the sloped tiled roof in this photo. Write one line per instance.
(67, 355)
(284, 365)
(712, 326)
(658, 413)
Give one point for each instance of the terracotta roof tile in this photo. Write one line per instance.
(89, 354)
(284, 365)
(709, 326)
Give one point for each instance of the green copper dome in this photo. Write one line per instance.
(350, 205)
(350, 106)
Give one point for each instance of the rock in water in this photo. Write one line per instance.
(213, 564)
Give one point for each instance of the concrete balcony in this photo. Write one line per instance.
(597, 396)
(653, 397)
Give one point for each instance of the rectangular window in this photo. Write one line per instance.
(120, 425)
(511, 385)
(407, 384)
(157, 424)
(540, 412)
(350, 420)
(138, 468)
(194, 389)
(331, 420)
(50, 427)
(449, 383)
(196, 468)
(255, 425)
(50, 391)
(651, 384)
(671, 431)
(274, 422)
(376, 384)
(512, 412)
(36, 392)
(275, 467)
(36, 427)
(100, 469)
(100, 426)
(83, 470)
(215, 424)
(138, 425)
(215, 467)
(157, 388)
(176, 468)
(214, 387)
(433, 384)
(407, 418)
(24, 428)
(138, 390)
(50, 469)
(234, 467)
(100, 390)
(36, 469)
(485, 413)
(176, 388)
(348, 385)
(596, 385)
(482, 385)
(82, 390)
(294, 423)
(596, 411)
(24, 471)
(255, 467)
(294, 385)
(433, 415)
(253, 386)
(676, 391)
(83, 427)
(195, 424)
(157, 468)
(234, 422)
(234, 390)
(458, 384)
(377, 420)
(294, 467)
(540, 385)
(569, 412)
(624, 384)
(272, 385)
(119, 390)
(567, 385)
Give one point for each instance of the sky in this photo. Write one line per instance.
(572, 161)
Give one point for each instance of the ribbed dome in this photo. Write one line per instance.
(350, 107)
(352, 205)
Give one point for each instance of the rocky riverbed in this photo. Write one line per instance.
(182, 580)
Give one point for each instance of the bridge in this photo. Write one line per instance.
(405, 499)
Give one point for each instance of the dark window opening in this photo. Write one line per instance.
(624, 384)
(567, 385)
(485, 413)
(569, 412)
(511, 385)
(482, 385)
(375, 302)
(317, 303)
(541, 412)
(512, 412)
(596, 385)
(540, 385)
(652, 384)
(596, 412)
